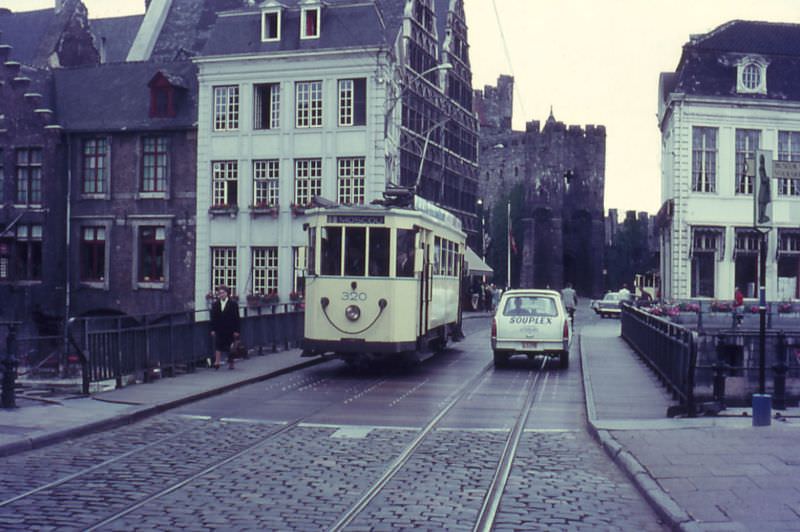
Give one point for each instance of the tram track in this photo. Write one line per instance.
(117, 514)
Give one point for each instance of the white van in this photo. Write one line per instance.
(531, 322)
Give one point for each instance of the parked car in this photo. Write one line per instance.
(532, 323)
(610, 305)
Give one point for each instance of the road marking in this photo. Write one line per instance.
(353, 427)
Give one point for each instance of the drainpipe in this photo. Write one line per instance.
(67, 254)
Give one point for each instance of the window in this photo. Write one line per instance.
(270, 26)
(266, 105)
(704, 159)
(706, 246)
(93, 254)
(29, 252)
(788, 264)
(745, 254)
(5, 261)
(355, 249)
(307, 180)
(155, 164)
(265, 270)
(94, 165)
(379, 251)
(331, 251)
(308, 102)
(29, 176)
(223, 268)
(747, 141)
(751, 76)
(224, 182)
(404, 266)
(351, 179)
(309, 23)
(226, 108)
(266, 183)
(789, 150)
(162, 102)
(152, 240)
(352, 102)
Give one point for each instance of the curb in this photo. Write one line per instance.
(666, 508)
(58, 436)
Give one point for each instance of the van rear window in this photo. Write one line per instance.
(530, 306)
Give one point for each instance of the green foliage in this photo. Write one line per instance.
(497, 228)
(628, 254)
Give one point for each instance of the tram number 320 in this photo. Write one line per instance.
(354, 296)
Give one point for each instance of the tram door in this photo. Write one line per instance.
(425, 284)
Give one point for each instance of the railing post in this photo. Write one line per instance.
(10, 369)
(779, 371)
(719, 375)
(118, 369)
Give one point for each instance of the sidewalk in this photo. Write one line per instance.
(37, 423)
(716, 473)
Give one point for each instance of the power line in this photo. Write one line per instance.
(508, 59)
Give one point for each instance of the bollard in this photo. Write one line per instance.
(719, 382)
(9, 364)
(762, 410)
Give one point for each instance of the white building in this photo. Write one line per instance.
(736, 91)
(299, 100)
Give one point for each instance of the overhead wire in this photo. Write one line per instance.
(508, 57)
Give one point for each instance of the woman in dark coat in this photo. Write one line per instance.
(224, 325)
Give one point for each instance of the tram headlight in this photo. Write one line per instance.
(352, 312)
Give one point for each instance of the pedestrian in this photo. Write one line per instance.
(224, 325)
(570, 299)
(624, 293)
(738, 306)
(495, 297)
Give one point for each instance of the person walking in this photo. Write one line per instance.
(738, 306)
(224, 325)
(570, 299)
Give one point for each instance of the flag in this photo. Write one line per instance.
(512, 244)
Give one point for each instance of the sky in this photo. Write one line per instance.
(592, 61)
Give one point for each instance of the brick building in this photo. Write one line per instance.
(562, 172)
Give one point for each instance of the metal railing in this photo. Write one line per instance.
(669, 349)
(111, 348)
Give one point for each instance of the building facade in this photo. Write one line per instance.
(562, 172)
(734, 93)
(295, 105)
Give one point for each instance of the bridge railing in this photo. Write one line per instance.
(668, 348)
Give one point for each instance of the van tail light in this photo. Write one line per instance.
(566, 329)
(494, 328)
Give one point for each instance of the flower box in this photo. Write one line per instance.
(264, 209)
(299, 210)
(296, 296)
(786, 308)
(223, 210)
(719, 306)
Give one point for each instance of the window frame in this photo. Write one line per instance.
(789, 150)
(29, 270)
(264, 269)
(744, 184)
(30, 173)
(141, 281)
(156, 191)
(308, 104)
(305, 13)
(223, 274)
(225, 107)
(266, 106)
(352, 102)
(351, 179)
(99, 254)
(704, 159)
(223, 173)
(264, 14)
(311, 179)
(266, 183)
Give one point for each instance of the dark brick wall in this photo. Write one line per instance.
(564, 226)
(125, 210)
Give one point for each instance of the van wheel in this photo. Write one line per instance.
(563, 359)
(500, 359)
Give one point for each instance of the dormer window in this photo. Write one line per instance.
(271, 25)
(163, 95)
(752, 76)
(309, 22)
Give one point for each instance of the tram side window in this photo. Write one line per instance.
(405, 253)
(331, 259)
(379, 252)
(355, 249)
(437, 256)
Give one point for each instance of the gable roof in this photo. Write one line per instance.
(115, 35)
(342, 25)
(27, 32)
(124, 101)
(752, 36)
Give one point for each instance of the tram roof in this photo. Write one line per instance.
(421, 206)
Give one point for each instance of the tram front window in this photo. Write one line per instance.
(405, 253)
(331, 256)
(355, 248)
(379, 252)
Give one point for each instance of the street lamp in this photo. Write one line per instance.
(483, 228)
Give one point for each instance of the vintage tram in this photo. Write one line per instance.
(382, 281)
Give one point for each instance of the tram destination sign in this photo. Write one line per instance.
(780, 169)
(358, 219)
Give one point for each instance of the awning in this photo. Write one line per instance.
(476, 265)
